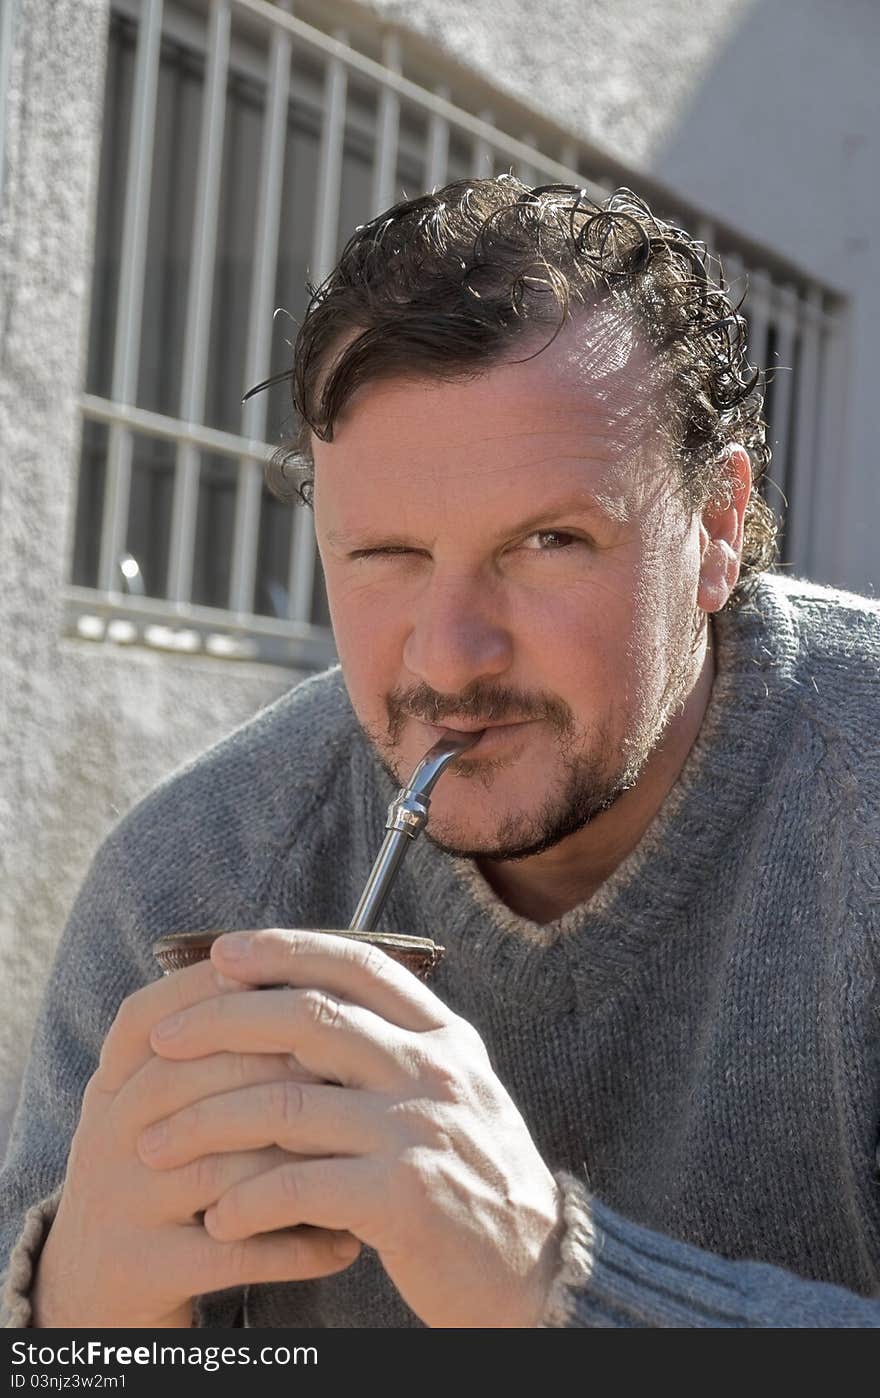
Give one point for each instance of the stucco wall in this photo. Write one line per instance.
(87, 729)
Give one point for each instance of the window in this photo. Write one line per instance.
(240, 147)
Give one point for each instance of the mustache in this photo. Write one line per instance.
(478, 703)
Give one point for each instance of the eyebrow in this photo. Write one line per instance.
(576, 506)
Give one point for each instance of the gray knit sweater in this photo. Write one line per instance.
(696, 1049)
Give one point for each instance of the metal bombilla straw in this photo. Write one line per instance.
(407, 816)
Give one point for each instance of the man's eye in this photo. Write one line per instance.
(551, 540)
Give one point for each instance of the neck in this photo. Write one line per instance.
(545, 886)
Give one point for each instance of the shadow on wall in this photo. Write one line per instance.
(780, 139)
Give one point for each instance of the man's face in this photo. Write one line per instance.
(510, 550)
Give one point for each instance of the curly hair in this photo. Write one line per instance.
(443, 285)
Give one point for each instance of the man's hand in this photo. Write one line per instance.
(128, 1247)
(415, 1146)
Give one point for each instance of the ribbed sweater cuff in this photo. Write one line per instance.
(620, 1275)
(576, 1252)
(15, 1301)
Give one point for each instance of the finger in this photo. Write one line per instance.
(338, 1041)
(353, 970)
(162, 1087)
(194, 1187)
(335, 1194)
(306, 1119)
(203, 1264)
(126, 1047)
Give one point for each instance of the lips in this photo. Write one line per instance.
(477, 727)
(493, 733)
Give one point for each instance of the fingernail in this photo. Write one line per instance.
(235, 946)
(168, 1027)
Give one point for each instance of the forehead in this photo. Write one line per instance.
(598, 366)
(582, 408)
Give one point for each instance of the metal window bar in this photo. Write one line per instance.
(250, 479)
(798, 316)
(528, 173)
(302, 553)
(783, 319)
(483, 148)
(827, 542)
(437, 162)
(802, 455)
(198, 318)
(388, 126)
(131, 292)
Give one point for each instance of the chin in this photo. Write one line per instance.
(504, 851)
(516, 837)
(511, 804)
(529, 826)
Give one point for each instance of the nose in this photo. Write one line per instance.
(457, 635)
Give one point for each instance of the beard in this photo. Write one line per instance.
(584, 792)
(595, 773)
(596, 770)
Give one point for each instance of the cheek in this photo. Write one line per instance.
(368, 633)
(660, 647)
(577, 648)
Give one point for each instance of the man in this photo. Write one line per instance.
(643, 1087)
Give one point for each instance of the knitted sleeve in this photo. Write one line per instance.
(102, 958)
(617, 1275)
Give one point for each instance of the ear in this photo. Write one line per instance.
(721, 535)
